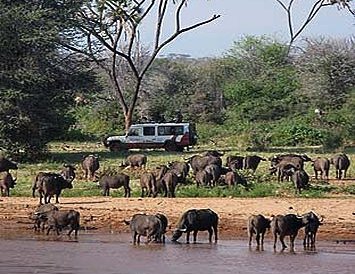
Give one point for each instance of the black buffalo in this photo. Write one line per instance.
(252, 162)
(107, 182)
(296, 160)
(59, 219)
(48, 185)
(68, 172)
(301, 179)
(310, 230)
(203, 178)
(6, 164)
(257, 224)
(341, 163)
(287, 225)
(235, 162)
(181, 169)
(197, 220)
(40, 216)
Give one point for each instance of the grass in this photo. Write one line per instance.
(260, 184)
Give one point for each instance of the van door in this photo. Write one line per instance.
(134, 137)
(149, 136)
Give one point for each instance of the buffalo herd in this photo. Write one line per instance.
(207, 171)
(153, 227)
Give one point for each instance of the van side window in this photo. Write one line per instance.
(170, 130)
(179, 130)
(149, 131)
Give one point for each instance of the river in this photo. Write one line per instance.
(113, 253)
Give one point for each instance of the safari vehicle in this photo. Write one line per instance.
(171, 136)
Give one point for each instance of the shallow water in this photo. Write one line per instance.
(93, 253)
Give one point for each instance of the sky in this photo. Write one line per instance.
(246, 17)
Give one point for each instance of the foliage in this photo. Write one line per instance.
(264, 81)
(37, 80)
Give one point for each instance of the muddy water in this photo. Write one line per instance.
(104, 254)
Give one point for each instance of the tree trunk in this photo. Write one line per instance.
(128, 120)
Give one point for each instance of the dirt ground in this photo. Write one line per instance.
(105, 214)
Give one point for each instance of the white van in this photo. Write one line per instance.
(171, 136)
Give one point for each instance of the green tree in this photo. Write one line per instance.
(36, 80)
(264, 80)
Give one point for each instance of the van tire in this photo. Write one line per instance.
(171, 146)
(116, 146)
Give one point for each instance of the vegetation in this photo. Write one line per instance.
(260, 184)
(260, 94)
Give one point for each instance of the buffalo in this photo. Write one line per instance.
(341, 163)
(197, 220)
(297, 160)
(322, 165)
(6, 182)
(284, 169)
(170, 180)
(150, 226)
(40, 216)
(310, 230)
(59, 219)
(48, 185)
(164, 225)
(107, 182)
(257, 224)
(232, 178)
(287, 225)
(6, 164)
(252, 162)
(215, 172)
(68, 172)
(160, 185)
(135, 160)
(148, 184)
(301, 179)
(181, 169)
(235, 162)
(90, 164)
(203, 178)
(199, 163)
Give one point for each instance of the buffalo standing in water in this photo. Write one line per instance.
(197, 220)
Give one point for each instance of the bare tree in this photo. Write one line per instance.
(287, 5)
(109, 35)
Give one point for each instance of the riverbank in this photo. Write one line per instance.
(106, 214)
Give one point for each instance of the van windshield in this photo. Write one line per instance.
(134, 132)
(170, 130)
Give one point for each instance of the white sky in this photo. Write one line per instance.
(247, 17)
